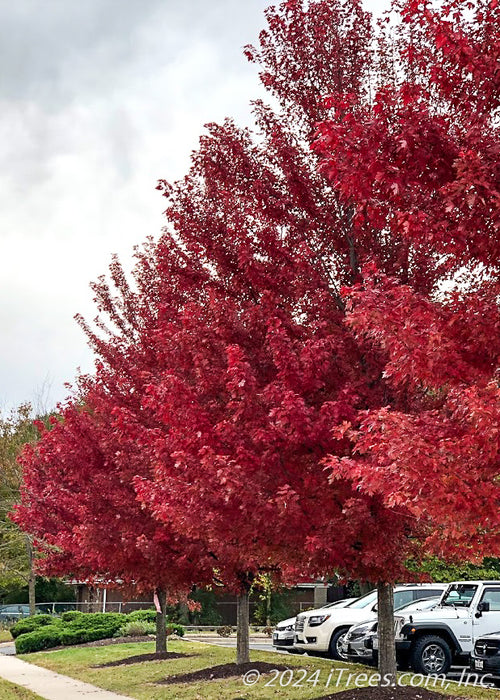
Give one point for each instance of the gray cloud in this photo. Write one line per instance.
(98, 100)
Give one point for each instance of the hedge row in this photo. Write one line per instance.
(55, 635)
(29, 624)
(74, 627)
(70, 629)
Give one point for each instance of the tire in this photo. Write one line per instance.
(335, 644)
(431, 655)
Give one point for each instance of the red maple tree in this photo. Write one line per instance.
(79, 502)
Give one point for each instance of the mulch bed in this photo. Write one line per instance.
(139, 658)
(398, 693)
(116, 640)
(223, 671)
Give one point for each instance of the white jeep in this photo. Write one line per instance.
(431, 641)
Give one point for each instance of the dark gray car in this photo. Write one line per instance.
(15, 611)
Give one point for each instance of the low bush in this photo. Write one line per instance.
(70, 615)
(143, 615)
(72, 629)
(93, 620)
(30, 624)
(80, 636)
(44, 631)
(224, 631)
(91, 635)
(137, 628)
(69, 637)
(42, 638)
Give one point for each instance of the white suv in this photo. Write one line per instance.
(284, 633)
(324, 630)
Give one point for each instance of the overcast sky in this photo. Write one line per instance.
(98, 100)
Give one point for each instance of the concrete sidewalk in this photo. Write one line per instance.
(50, 685)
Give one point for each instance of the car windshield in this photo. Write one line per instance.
(422, 604)
(336, 603)
(364, 601)
(459, 595)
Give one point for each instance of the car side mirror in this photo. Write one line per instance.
(482, 607)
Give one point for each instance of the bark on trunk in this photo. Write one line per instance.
(243, 629)
(31, 578)
(364, 587)
(386, 639)
(92, 604)
(268, 607)
(161, 621)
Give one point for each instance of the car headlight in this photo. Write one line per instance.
(316, 620)
(399, 623)
(356, 632)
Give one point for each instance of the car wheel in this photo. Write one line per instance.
(431, 655)
(335, 649)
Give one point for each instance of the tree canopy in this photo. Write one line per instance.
(302, 373)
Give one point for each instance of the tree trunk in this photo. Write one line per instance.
(92, 605)
(268, 605)
(364, 587)
(31, 577)
(161, 621)
(243, 629)
(386, 639)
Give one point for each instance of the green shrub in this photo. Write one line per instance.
(69, 637)
(91, 635)
(42, 638)
(30, 624)
(89, 621)
(224, 631)
(142, 615)
(80, 636)
(70, 615)
(72, 629)
(137, 628)
(88, 627)
(173, 628)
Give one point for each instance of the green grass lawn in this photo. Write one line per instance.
(5, 636)
(139, 680)
(9, 691)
